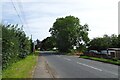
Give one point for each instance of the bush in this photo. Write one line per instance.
(23, 55)
(114, 59)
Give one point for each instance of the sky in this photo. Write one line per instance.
(38, 16)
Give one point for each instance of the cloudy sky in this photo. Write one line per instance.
(38, 16)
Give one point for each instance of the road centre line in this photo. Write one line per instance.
(89, 66)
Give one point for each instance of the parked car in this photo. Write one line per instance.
(107, 52)
(94, 51)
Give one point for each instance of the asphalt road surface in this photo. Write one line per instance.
(73, 67)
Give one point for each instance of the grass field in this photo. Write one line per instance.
(21, 69)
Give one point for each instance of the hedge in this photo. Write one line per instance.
(15, 44)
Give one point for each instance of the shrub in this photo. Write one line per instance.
(114, 59)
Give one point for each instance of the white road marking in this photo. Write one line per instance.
(89, 66)
(67, 59)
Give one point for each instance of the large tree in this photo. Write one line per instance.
(68, 33)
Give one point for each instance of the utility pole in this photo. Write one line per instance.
(31, 44)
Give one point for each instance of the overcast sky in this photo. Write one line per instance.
(100, 15)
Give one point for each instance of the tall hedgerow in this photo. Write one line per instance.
(15, 44)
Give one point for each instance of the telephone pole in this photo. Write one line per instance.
(31, 45)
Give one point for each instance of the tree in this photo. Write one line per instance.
(118, 41)
(48, 43)
(38, 45)
(96, 44)
(114, 41)
(104, 42)
(68, 33)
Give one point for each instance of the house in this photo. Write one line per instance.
(115, 52)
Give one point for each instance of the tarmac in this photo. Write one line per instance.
(42, 69)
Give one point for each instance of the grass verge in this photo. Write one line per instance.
(0, 73)
(117, 62)
(21, 69)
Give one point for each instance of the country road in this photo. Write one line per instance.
(63, 66)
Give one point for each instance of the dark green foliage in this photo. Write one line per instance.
(22, 55)
(38, 45)
(48, 43)
(105, 42)
(31, 46)
(118, 41)
(0, 48)
(68, 33)
(15, 44)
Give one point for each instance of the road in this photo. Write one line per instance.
(64, 66)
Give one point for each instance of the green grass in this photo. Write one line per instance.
(102, 60)
(22, 68)
(0, 74)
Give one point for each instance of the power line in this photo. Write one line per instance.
(22, 12)
(16, 12)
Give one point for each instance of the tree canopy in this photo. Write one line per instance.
(68, 32)
(105, 42)
(48, 44)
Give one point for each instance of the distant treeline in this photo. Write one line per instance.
(15, 44)
(100, 43)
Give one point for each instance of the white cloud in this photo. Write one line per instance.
(101, 15)
(0, 12)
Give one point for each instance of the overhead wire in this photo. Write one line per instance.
(23, 15)
(17, 12)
